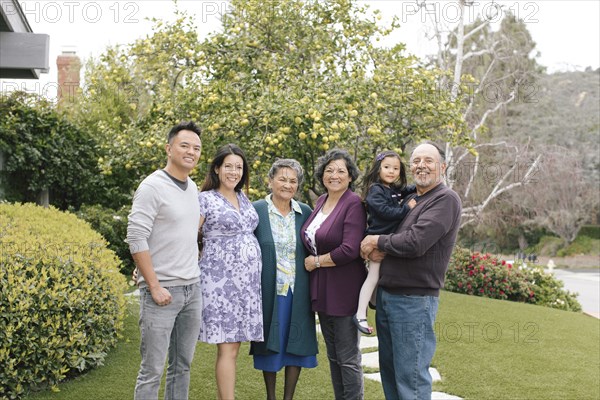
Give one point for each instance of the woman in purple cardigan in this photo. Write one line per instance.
(332, 235)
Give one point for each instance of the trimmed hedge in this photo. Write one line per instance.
(62, 298)
(112, 225)
(487, 276)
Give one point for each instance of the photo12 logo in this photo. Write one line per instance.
(450, 11)
(488, 331)
(76, 11)
(214, 9)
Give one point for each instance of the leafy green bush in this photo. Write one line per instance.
(581, 245)
(591, 231)
(112, 225)
(586, 242)
(62, 298)
(484, 275)
(548, 246)
(43, 150)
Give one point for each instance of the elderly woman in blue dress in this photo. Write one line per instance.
(289, 323)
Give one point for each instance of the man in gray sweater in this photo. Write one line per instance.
(414, 260)
(162, 235)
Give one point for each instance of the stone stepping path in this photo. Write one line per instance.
(371, 361)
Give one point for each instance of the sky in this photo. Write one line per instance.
(567, 32)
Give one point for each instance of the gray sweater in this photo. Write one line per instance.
(164, 219)
(417, 254)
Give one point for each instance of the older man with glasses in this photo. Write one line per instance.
(414, 260)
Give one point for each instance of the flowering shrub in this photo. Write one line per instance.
(487, 276)
(550, 291)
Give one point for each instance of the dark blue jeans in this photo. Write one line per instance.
(405, 329)
(343, 351)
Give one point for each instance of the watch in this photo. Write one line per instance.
(317, 263)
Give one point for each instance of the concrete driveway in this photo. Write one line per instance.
(586, 282)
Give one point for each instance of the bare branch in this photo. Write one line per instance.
(477, 29)
(497, 191)
(478, 146)
(467, 222)
(462, 156)
(477, 53)
(460, 42)
(478, 90)
(449, 157)
(470, 211)
(493, 110)
(438, 37)
(459, 55)
(472, 177)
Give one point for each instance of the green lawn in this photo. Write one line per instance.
(487, 349)
(493, 349)
(116, 379)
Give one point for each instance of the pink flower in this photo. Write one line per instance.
(509, 266)
(503, 262)
(471, 273)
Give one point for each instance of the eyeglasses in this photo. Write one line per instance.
(427, 161)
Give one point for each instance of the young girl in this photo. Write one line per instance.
(385, 193)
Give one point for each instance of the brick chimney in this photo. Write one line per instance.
(68, 66)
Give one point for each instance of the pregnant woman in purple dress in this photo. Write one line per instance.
(230, 264)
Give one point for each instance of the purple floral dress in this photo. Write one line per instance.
(230, 270)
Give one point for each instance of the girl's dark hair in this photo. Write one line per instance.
(211, 181)
(373, 174)
(337, 154)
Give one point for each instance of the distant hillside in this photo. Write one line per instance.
(565, 111)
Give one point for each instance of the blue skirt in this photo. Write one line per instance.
(274, 362)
